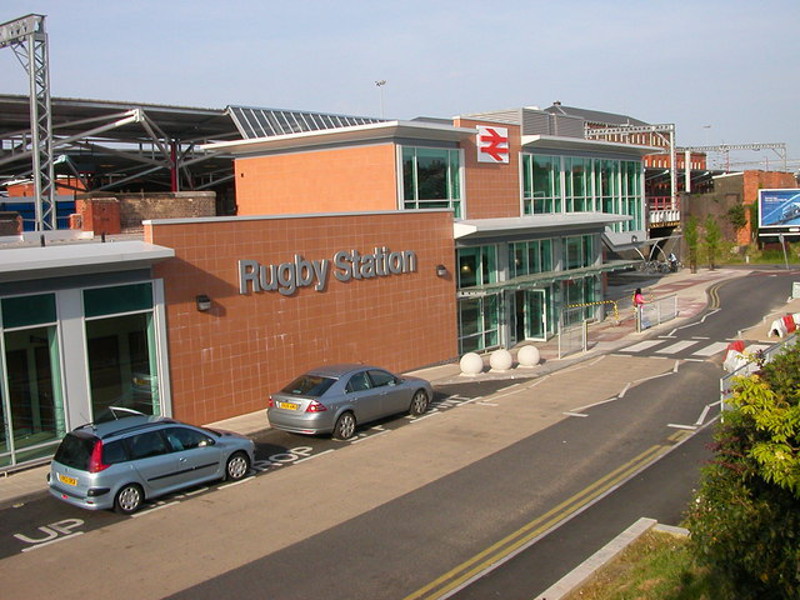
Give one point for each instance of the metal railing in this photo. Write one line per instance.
(573, 331)
(726, 383)
(656, 312)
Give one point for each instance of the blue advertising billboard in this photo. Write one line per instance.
(778, 208)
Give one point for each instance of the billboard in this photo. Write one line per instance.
(779, 209)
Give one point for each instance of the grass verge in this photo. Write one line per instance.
(657, 566)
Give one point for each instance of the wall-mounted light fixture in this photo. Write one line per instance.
(441, 271)
(203, 302)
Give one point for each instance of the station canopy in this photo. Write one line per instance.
(103, 145)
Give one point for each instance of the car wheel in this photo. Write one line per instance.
(237, 467)
(345, 427)
(419, 403)
(129, 499)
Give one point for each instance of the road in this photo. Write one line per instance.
(414, 508)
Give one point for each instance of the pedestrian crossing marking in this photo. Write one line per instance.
(645, 345)
(712, 349)
(673, 348)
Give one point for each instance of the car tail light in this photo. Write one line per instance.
(96, 463)
(315, 406)
(270, 402)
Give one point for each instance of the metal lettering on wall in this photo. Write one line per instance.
(345, 265)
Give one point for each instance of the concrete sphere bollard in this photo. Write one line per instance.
(501, 360)
(529, 356)
(471, 364)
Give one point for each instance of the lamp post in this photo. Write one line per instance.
(380, 83)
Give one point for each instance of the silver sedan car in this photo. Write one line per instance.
(337, 398)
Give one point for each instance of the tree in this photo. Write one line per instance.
(745, 520)
(737, 217)
(692, 238)
(713, 240)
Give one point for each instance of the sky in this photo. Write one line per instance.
(722, 71)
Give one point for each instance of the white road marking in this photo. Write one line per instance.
(55, 541)
(712, 349)
(645, 345)
(673, 348)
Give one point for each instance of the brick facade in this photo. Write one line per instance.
(226, 361)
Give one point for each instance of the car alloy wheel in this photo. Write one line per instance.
(419, 403)
(237, 467)
(129, 499)
(345, 427)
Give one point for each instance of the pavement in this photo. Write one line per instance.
(604, 337)
(692, 290)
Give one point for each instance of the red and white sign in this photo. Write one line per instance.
(492, 144)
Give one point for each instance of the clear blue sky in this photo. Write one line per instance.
(722, 71)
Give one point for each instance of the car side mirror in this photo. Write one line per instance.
(206, 442)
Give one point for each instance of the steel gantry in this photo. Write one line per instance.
(26, 36)
(778, 148)
(660, 135)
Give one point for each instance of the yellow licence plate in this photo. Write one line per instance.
(67, 480)
(288, 405)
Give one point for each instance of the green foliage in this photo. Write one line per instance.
(713, 240)
(737, 216)
(691, 236)
(745, 520)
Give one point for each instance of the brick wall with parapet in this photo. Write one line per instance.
(138, 207)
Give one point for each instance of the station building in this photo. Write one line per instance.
(398, 243)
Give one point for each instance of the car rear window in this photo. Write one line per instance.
(309, 385)
(74, 451)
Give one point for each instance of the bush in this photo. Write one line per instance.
(745, 519)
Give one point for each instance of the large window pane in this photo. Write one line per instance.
(117, 299)
(29, 310)
(122, 363)
(36, 410)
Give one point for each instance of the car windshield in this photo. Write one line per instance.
(309, 385)
(75, 451)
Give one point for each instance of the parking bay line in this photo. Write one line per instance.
(502, 551)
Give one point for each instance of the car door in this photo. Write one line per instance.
(393, 398)
(363, 397)
(198, 458)
(153, 461)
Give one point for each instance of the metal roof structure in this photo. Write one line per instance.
(129, 147)
(255, 123)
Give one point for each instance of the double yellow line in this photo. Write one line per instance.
(530, 532)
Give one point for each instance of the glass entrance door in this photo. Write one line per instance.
(531, 315)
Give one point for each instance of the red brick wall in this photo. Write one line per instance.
(226, 362)
(100, 215)
(358, 178)
(492, 190)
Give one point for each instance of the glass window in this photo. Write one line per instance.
(432, 178)
(181, 438)
(541, 184)
(381, 378)
(527, 258)
(146, 445)
(117, 299)
(309, 385)
(23, 311)
(479, 320)
(122, 363)
(358, 382)
(114, 452)
(35, 409)
(476, 266)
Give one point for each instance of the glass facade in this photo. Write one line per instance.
(432, 178)
(32, 407)
(556, 184)
(56, 374)
(121, 348)
(527, 258)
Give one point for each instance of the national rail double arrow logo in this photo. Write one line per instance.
(492, 144)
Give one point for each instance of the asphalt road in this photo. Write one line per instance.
(432, 540)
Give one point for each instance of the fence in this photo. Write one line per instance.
(765, 356)
(657, 311)
(573, 330)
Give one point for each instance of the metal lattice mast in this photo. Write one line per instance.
(26, 36)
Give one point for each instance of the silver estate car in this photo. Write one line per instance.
(119, 464)
(337, 398)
